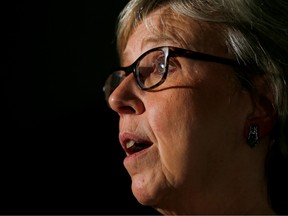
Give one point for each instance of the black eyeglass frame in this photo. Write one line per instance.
(169, 52)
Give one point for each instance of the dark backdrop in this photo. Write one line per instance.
(59, 143)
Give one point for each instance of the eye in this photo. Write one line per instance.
(159, 65)
(151, 69)
(152, 65)
(173, 64)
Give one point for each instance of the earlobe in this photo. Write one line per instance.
(252, 137)
(261, 121)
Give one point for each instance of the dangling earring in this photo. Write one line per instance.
(253, 138)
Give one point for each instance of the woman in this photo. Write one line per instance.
(202, 100)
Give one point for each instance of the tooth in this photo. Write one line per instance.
(130, 144)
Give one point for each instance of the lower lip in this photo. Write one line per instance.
(137, 155)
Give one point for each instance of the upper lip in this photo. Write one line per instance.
(141, 143)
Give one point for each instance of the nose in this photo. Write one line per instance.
(126, 98)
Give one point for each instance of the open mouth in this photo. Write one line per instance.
(132, 147)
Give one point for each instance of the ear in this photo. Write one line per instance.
(263, 114)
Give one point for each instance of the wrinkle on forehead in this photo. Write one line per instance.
(164, 25)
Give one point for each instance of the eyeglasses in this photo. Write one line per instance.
(152, 67)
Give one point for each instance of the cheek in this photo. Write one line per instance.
(171, 124)
(166, 116)
(190, 126)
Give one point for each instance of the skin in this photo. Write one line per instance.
(199, 161)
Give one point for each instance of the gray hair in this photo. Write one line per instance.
(256, 31)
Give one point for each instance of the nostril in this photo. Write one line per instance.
(127, 109)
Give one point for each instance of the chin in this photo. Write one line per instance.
(144, 194)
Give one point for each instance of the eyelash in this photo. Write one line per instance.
(173, 64)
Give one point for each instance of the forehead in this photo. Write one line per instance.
(164, 27)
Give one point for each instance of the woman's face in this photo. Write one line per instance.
(191, 126)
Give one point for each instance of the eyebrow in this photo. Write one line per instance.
(154, 41)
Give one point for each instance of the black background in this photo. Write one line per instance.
(59, 141)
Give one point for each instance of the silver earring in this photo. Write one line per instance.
(253, 138)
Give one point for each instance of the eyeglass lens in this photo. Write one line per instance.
(149, 70)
